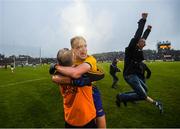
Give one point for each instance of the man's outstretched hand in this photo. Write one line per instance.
(149, 27)
(82, 81)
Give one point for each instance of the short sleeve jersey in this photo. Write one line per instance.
(78, 102)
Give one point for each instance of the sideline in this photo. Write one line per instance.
(22, 82)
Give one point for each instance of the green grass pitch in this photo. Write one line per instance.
(29, 99)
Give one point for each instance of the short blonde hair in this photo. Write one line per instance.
(65, 57)
(76, 40)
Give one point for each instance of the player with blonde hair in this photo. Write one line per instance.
(81, 112)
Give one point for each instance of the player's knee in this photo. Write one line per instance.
(101, 121)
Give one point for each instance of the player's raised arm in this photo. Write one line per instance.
(139, 31)
(147, 31)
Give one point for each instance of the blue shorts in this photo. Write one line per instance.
(97, 102)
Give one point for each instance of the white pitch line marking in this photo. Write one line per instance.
(22, 82)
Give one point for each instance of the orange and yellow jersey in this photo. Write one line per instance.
(78, 102)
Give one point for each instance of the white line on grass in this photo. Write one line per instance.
(22, 82)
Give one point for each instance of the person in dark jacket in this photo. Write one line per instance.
(133, 69)
(113, 70)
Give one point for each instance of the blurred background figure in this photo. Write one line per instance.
(12, 68)
(113, 70)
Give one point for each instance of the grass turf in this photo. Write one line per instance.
(29, 99)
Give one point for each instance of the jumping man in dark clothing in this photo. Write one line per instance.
(132, 68)
(113, 70)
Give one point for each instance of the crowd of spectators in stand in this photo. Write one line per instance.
(150, 55)
(23, 60)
